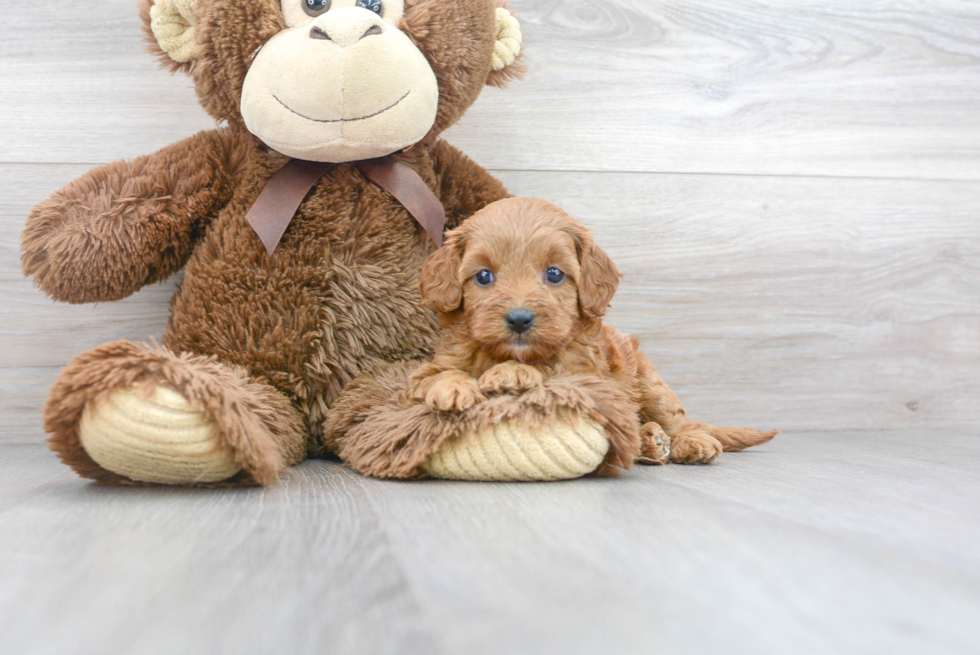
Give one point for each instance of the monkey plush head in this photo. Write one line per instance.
(337, 80)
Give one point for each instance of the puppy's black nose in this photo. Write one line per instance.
(520, 320)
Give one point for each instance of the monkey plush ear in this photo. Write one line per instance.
(439, 280)
(169, 27)
(507, 50)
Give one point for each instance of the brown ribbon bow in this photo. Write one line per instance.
(277, 204)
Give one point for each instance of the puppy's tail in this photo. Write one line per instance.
(739, 438)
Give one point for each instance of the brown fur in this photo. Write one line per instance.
(255, 422)
(479, 356)
(377, 433)
(340, 294)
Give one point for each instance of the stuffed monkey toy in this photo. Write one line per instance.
(301, 222)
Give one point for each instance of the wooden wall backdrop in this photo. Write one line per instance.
(792, 188)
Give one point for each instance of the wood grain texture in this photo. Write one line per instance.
(784, 87)
(169, 571)
(815, 543)
(796, 303)
(804, 303)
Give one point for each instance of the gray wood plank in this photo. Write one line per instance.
(860, 542)
(804, 303)
(743, 86)
(304, 568)
(23, 390)
(798, 303)
(796, 547)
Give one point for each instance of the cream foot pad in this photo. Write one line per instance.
(510, 451)
(156, 437)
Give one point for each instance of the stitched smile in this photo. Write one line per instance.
(340, 120)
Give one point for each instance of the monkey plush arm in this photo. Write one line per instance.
(130, 223)
(465, 187)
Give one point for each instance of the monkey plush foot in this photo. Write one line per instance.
(566, 427)
(129, 414)
(512, 450)
(153, 434)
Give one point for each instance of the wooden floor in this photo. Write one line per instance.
(851, 542)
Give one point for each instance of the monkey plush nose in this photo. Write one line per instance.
(347, 26)
(520, 320)
(319, 33)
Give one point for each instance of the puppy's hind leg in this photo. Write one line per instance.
(654, 444)
(691, 442)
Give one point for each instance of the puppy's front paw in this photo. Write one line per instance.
(416, 391)
(510, 377)
(655, 444)
(695, 447)
(453, 393)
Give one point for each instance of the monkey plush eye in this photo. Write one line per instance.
(484, 278)
(373, 5)
(554, 275)
(316, 7)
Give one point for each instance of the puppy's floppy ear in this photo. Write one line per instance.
(439, 280)
(598, 276)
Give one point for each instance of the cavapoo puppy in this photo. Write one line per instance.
(521, 288)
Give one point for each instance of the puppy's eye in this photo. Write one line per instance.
(316, 7)
(371, 5)
(554, 275)
(484, 278)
